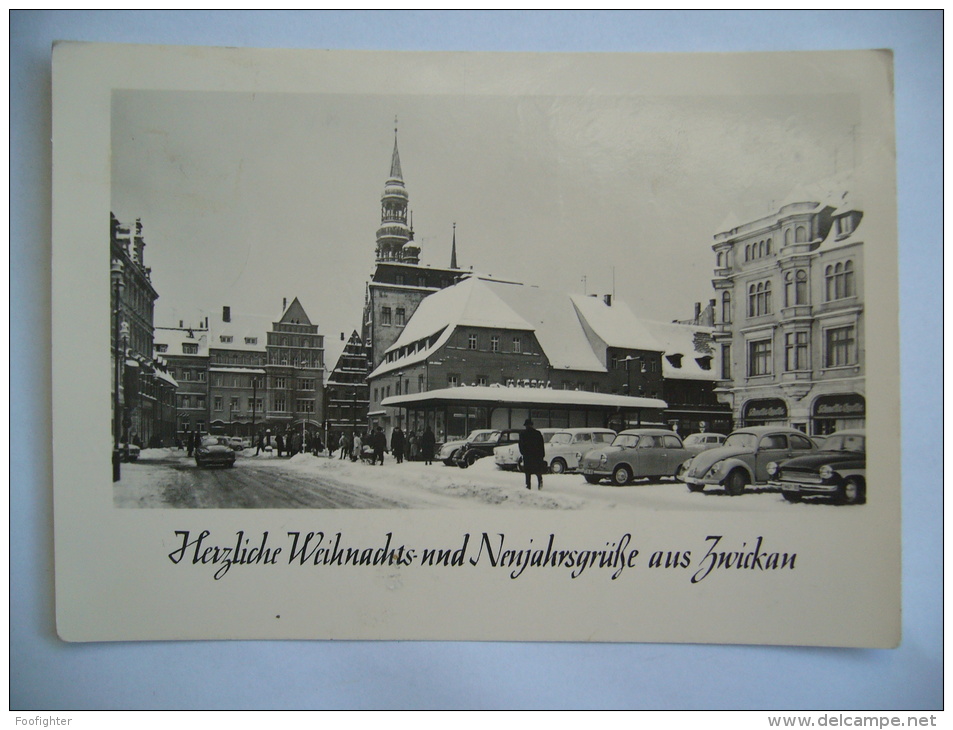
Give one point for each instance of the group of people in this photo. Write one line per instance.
(372, 446)
(291, 443)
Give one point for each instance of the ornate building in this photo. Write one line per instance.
(143, 392)
(791, 325)
(346, 391)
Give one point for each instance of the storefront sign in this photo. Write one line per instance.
(840, 406)
(774, 408)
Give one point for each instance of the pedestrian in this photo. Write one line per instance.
(428, 442)
(318, 445)
(343, 444)
(261, 444)
(379, 444)
(280, 444)
(533, 451)
(189, 444)
(196, 442)
(397, 444)
(356, 445)
(411, 446)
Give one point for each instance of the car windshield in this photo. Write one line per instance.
(548, 436)
(561, 438)
(483, 437)
(625, 439)
(845, 442)
(741, 441)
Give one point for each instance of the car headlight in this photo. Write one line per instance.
(603, 458)
(578, 456)
(716, 468)
(772, 468)
(827, 471)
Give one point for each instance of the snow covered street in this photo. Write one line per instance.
(168, 478)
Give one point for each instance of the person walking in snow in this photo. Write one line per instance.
(533, 451)
(428, 443)
(379, 444)
(397, 444)
(356, 445)
(280, 444)
(342, 444)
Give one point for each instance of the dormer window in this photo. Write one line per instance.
(225, 338)
(704, 362)
(675, 360)
(190, 348)
(251, 340)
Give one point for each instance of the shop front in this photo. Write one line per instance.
(765, 412)
(832, 413)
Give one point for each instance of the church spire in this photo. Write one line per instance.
(395, 239)
(453, 249)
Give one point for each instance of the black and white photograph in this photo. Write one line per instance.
(413, 330)
(308, 285)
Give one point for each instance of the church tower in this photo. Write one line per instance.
(395, 237)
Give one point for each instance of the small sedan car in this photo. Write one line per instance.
(744, 458)
(507, 457)
(837, 471)
(636, 452)
(214, 450)
(236, 442)
(566, 448)
(480, 447)
(452, 449)
(704, 441)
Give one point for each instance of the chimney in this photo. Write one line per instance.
(226, 314)
(181, 324)
(284, 303)
(607, 298)
(342, 337)
(698, 311)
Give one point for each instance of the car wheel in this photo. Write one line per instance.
(622, 475)
(736, 482)
(853, 491)
(592, 478)
(792, 496)
(558, 466)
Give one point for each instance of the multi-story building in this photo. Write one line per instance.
(346, 391)
(143, 391)
(791, 325)
(485, 333)
(246, 374)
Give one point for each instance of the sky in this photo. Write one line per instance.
(248, 198)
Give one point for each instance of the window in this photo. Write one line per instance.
(795, 288)
(281, 382)
(773, 442)
(225, 338)
(279, 403)
(759, 299)
(671, 442)
(726, 362)
(759, 358)
(201, 374)
(233, 404)
(839, 280)
(800, 443)
(255, 405)
(481, 380)
(399, 315)
(251, 340)
(726, 307)
(473, 342)
(200, 425)
(420, 383)
(800, 234)
(795, 351)
(307, 384)
(186, 374)
(453, 380)
(398, 387)
(162, 348)
(385, 315)
(367, 342)
(186, 401)
(495, 343)
(400, 280)
(217, 403)
(190, 348)
(841, 347)
(200, 401)
(305, 405)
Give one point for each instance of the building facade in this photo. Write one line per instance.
(245, 375)
(791, 328)
(143, 391)
(346, 390)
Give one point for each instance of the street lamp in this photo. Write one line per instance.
(118, 286)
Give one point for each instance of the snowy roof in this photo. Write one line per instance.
(685, 348)
(163, 375)
(174, 338)
(525, 396)
(616, 325)
(248, 332)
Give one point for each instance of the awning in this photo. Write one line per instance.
(489, 395)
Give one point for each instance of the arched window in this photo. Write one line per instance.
(747, 253)
(787, 237)
(768, 308)
(800, 287)
(767, 247)
(726, 306)
(800, 234)
(828, 283)
(789, 289)
(719, 259)
(761, 250)
(752, 297)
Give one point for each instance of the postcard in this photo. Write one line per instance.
(475, 346)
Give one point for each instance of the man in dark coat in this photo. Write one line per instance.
(379, 444)
(397, 444)
(533, 451)
(428, 443)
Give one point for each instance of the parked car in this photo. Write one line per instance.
(247, 442)
(481, 447)
(704, 440)
(744, 458)
(236, 442)
(507, 457)
(635, 453)
(449, 451)
(214, 450)
(567, 447)
(837, 471)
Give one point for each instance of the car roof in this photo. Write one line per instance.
(591, 429)
(761, 430)
(648, 432)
